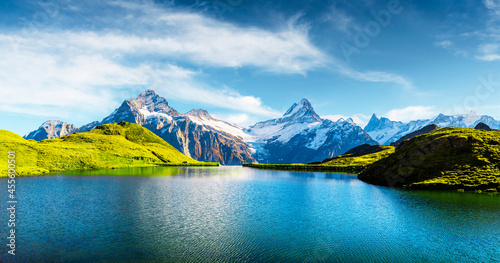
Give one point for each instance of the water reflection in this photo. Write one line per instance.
(236, 214)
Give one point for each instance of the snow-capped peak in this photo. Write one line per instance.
(302, 112)
(152, 101)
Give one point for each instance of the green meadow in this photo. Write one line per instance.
(444, 159)
(110, 146)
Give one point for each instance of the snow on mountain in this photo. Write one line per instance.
(202, 117)
(301, 136)
(386, 131)
(148, 107)
(195, 133)
(296, 119)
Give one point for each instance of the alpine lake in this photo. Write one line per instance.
(238, 214)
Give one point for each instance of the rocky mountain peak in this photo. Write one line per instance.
(373, 124)
(302, 111)
(351, 121)
(152, 101)
(147, 94)
(200, 113)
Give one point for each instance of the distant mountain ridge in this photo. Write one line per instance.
(51, 129)
(386, 131)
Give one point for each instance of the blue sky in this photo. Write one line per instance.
(246, 61)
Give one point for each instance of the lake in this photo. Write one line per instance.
(236, 214)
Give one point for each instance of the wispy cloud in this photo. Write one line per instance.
(205, 41)
(55, 72)
(376, 76)
(488, 52)
(59, 72)
(185, 87)
(340, 20)
(412, 113)
(493, 5)
(444, 44)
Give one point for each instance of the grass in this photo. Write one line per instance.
(349, 163)
(364, 160)
(446, 159)
(116, 145)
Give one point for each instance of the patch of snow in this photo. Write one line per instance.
(223, 127)
(382, 136)
(283, 132)
(471, 118)
(319, 138)
(148, 114)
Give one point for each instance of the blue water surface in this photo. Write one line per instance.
(236, 214)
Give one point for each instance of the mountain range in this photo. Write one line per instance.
(299, 136)
(385, 131)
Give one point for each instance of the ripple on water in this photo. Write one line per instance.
(234, 214)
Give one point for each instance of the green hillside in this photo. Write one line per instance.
(355, 159)
(353, 162)
(450, 158)
(116, 145)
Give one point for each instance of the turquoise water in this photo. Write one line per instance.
(235, 214)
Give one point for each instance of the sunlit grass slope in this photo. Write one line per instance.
(362, 160)
(116, 145)
(352, 163)
(449, 158)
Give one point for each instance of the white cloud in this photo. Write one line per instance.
(489, 52)
(340, 20)
(59, 73)
(54, 72)
(411, 113)
(489, 57)
(377, 76)
(444, 44)
(493, 5)
(489, 49)
(189, 89)
(201, 40)
(53, 85)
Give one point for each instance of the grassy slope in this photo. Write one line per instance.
(342, 163)
(449, 158)
(108, 146)
(364, 160)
